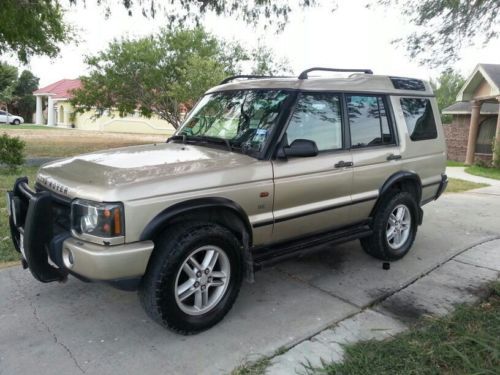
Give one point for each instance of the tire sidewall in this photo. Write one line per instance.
(165, 296)
(398, 199)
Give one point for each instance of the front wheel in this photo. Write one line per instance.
(193, 278)
(394, 227)
(16, 122)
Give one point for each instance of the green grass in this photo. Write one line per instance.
(453, 163)
(484, 172)
(27, 127)
(7, 179)
(465, 342)
(457, 186)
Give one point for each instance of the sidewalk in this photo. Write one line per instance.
(459, 172)
(458, 280)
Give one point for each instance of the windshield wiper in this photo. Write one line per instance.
(201, 138)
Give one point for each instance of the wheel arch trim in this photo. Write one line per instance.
(160, 221)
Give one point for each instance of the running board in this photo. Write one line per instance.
(269, 255)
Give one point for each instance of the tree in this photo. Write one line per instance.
(445, 27)
(446, 88)
(8, 80)
(24, 103)
(32, 27)
(156, 74)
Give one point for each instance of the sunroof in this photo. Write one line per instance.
(407, 84)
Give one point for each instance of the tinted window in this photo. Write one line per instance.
(317, 117)
(407, 84)
(368, 121)
(2, 113)
(419, 118)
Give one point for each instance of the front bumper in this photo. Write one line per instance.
(39, 229)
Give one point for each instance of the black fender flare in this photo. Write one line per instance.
(400, 177)
(160, 221)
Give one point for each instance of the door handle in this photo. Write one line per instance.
(343, 164)
(394, 157)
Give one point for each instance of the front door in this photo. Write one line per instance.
(313, 194)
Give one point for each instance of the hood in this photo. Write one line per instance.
(152, 168)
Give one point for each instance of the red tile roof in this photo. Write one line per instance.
(60, 89)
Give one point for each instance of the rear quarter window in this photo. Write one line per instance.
(419, 118)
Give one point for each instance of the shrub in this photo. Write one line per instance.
(11, 152)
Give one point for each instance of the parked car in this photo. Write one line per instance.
(262, 169)
(7, 118)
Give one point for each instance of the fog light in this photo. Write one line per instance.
(67, 256)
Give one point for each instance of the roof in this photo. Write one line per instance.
(61, 89)
(482, 72)
(354, 83)
(464, 108)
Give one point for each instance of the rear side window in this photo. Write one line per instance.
(317, 117)
(368, 121)
(419, 118)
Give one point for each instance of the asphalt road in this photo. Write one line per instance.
(76, 328)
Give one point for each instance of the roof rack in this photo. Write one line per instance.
(303, 75)
(248, 76)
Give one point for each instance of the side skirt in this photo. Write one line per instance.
(266, 256)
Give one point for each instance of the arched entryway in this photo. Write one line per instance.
(486, 134)
(61, 114)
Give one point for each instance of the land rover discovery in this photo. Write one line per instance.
(262, 169)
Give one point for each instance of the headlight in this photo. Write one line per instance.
(103, 220)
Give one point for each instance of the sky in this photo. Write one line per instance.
(350, 37)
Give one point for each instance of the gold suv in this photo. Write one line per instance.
(262, 169)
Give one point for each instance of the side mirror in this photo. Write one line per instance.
(301, 148)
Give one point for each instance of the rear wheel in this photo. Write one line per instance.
(394, 227)
(193, 278)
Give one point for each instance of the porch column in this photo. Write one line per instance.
(497, 134)
(39, 111)
(50, 112)
(474, 128)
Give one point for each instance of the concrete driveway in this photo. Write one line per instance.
(92, 328)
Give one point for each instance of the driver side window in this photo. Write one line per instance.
(317, 117)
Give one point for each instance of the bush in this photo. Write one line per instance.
(11, 152)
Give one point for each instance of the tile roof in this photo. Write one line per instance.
(60, 89)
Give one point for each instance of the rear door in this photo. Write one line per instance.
(3, 117)
(374, 147)
(312, 194)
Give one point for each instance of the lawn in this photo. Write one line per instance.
(464, 342)
(453, 163)
(484, 172)
(457, 186)
(56, 142)
(7, 179)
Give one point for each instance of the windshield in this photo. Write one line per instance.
(243, 119)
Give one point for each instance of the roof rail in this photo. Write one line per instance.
(248, 76)
(303, 75)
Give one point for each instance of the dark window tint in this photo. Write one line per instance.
(486, 135)
(407, 84)
(368, 121)
(2, 113)
(317, 117)
(419, 118)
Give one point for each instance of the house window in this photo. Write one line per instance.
(485, 137)
(61, 114)
(368, 121)
(419, 118)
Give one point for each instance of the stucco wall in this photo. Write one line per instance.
(111, 122)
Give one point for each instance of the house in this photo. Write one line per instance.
(61, 113)
(476, 120)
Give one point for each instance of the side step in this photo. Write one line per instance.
(270, 255)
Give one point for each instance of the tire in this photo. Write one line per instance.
(380, 244)
(16, 122)
(160, 289)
